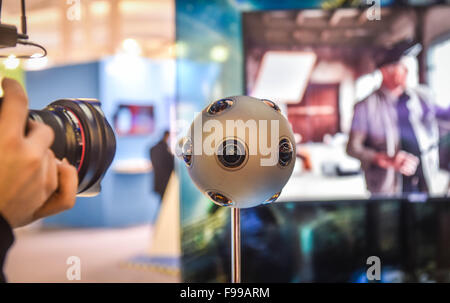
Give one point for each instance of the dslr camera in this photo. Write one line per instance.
(83, 136)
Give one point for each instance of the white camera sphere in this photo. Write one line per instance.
(240, 151)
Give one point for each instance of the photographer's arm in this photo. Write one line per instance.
(33, 183)
(6, 240)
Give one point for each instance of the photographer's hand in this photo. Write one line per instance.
(33, 183)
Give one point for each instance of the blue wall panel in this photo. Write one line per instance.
(126, 199)
(73, 81)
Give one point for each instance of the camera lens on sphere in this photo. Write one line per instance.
(231, 154)
(187, 152)
(219, 106)
(83, 136)
(272, 105)
(273, 198)
(219, 199)
(286, 152)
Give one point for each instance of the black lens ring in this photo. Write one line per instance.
(187, 151)
(273, 198)
(219, 106)
(271, 104)
(240, 162)
(99, 140)
(219, 199)
(285, 157)
(67, 140)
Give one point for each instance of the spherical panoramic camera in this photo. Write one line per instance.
(240, 151)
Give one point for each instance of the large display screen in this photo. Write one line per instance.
(367, 99)
(324, 242)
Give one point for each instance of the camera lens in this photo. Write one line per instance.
(231, 154)
(273, 198)
(272, 105)
(187, 152)
(83, 136)
(219, 106)
(219, 199)
(285, 153)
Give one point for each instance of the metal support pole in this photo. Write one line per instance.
(235, 245)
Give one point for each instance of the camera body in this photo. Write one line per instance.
(83, 136)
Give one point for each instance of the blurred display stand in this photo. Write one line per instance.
(133, 166)
(165, 249)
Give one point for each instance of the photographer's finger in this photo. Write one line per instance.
(64, 197)
(14, 110)
(51, 173)
(40, 135)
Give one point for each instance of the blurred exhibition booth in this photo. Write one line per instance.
(154, 63)
(122, 53)
(119, 52)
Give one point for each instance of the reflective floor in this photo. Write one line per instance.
(40, 255)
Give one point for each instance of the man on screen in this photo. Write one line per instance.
(394, 131)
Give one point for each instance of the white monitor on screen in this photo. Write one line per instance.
(283, 76)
